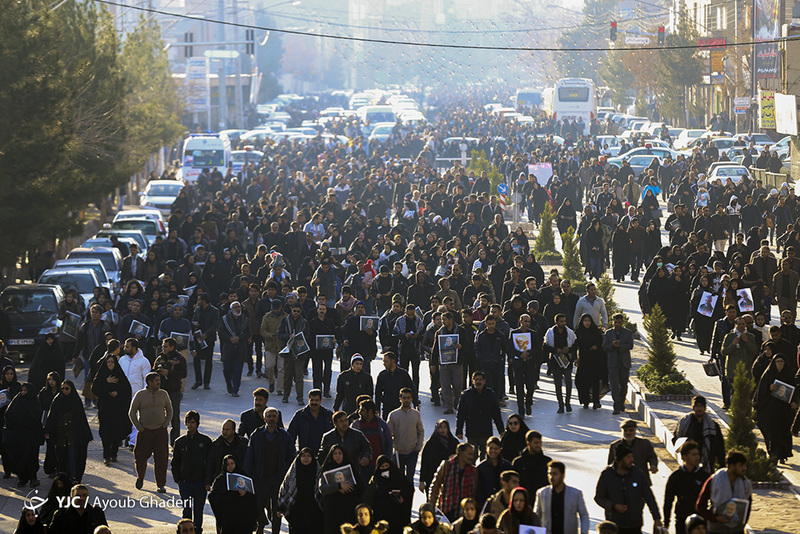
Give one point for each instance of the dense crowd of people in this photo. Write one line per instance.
(358, 253)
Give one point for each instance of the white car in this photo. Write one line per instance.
(382, 131)
(87, 263)
(160, 194)
(686, 137)
(734, 172)
(143, 214)
(111, 258)
(83, 281)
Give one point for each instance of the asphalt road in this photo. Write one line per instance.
(580, 439)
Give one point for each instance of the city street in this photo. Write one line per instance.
(580, 439)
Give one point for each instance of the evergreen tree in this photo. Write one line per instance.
(605, 289)
(573, 268)
(741, 433)
(545, 245)
(659, 374)
(479, 163)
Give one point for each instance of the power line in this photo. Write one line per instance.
(432, 45)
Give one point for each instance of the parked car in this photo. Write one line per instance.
(111, 258)
(149, 227)
(137, 235)
(734, 172)
(160, 194)
(153, 214)
(94, 264)
(32, 311)
(81, 280)
(638, 163)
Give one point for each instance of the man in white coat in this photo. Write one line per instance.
(135, 366)
(559, 505)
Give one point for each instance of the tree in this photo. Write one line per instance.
(741, 432)
(618, 78)
(680, 68)
(659, 374)
(573, 269)
(479, 163)
(593, 32)
(545, 245)
(153, 104)
(605, 288)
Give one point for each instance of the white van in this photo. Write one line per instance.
(372, 115)
(204, 151)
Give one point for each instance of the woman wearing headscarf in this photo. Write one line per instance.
(702, 325)
(659, 291)
(427, 522)
(513, 441)
(441, 445)
(23, 435)
(297, 497)
(775, 414)
(48, 358)
(45, 398)
(676, 312)
(113, 392)
(591, 363)
(235, 510)
(390, 494)
(565, 217)
(520, 512)
(469, 516)
(595, 251)
(366, 522)
(29, 523)
(620, 252)
(7, 381)
(768, 351)
(339, 499)
(67, 427)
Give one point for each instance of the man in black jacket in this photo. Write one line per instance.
(390, 381)
(171, 365)
(622, 491)
(532, 464)
(189, 465)
(478, 408)
(228, 442)
(253, 419)
(205, 320)
(684, 484)
(79, 516)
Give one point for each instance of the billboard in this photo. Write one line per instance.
(766, 27)
(766, 109)
(786, 114)
(198, 97)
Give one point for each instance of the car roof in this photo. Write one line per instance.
(55, 270)
(29, 287)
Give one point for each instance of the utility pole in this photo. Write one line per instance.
(221, 85)
(238, 65)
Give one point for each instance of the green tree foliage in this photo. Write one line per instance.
(618, 78)
(741, 433)
(480, 163)
(680, 68)
(69, 135)
(573, 268)
(152, 102)
(605, 289)
(591, 33)
(545, 245)
(659, 374)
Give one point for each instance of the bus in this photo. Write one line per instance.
(573, 99)
(528, 99)
(204, 152)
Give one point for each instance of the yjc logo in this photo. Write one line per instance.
(33, 501)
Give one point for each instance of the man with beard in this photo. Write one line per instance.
(234, 335)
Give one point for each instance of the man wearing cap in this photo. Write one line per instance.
(358, 341)
(644, 456)
(622, 491)
(352, 383)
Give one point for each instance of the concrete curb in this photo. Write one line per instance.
(651, 419)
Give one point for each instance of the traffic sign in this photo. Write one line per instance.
(502, 189)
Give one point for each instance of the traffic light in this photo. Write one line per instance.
(250, 37)
(613, 36)
(661, 35)
(187, 50)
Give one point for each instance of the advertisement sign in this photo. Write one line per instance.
(198, 93)
(766, 27)
(741, 104)
(766, 109)
(786, 114)
(712, 42)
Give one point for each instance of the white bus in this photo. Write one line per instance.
(204, 151)
(573, 99)
(528, 99)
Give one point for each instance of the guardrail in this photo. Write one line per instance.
(770, 179)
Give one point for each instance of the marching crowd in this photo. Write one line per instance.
(329, 252)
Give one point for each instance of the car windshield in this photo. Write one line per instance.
(107, 258)
(164, 190)
(383, 129)
(147, 227)
(28, 301)
(724, 143)
(98, 270)
(731, 171)
(82, 282)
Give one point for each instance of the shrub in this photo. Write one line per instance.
(659, 374)
(573, 268)
(605, 289)
(741, 433)
(545, 245)
(480, 163)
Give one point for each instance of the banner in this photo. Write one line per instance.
(766, 27)
(542, 171)
(786, 114)
(197, 85)
(766, 109)
(740, 105)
